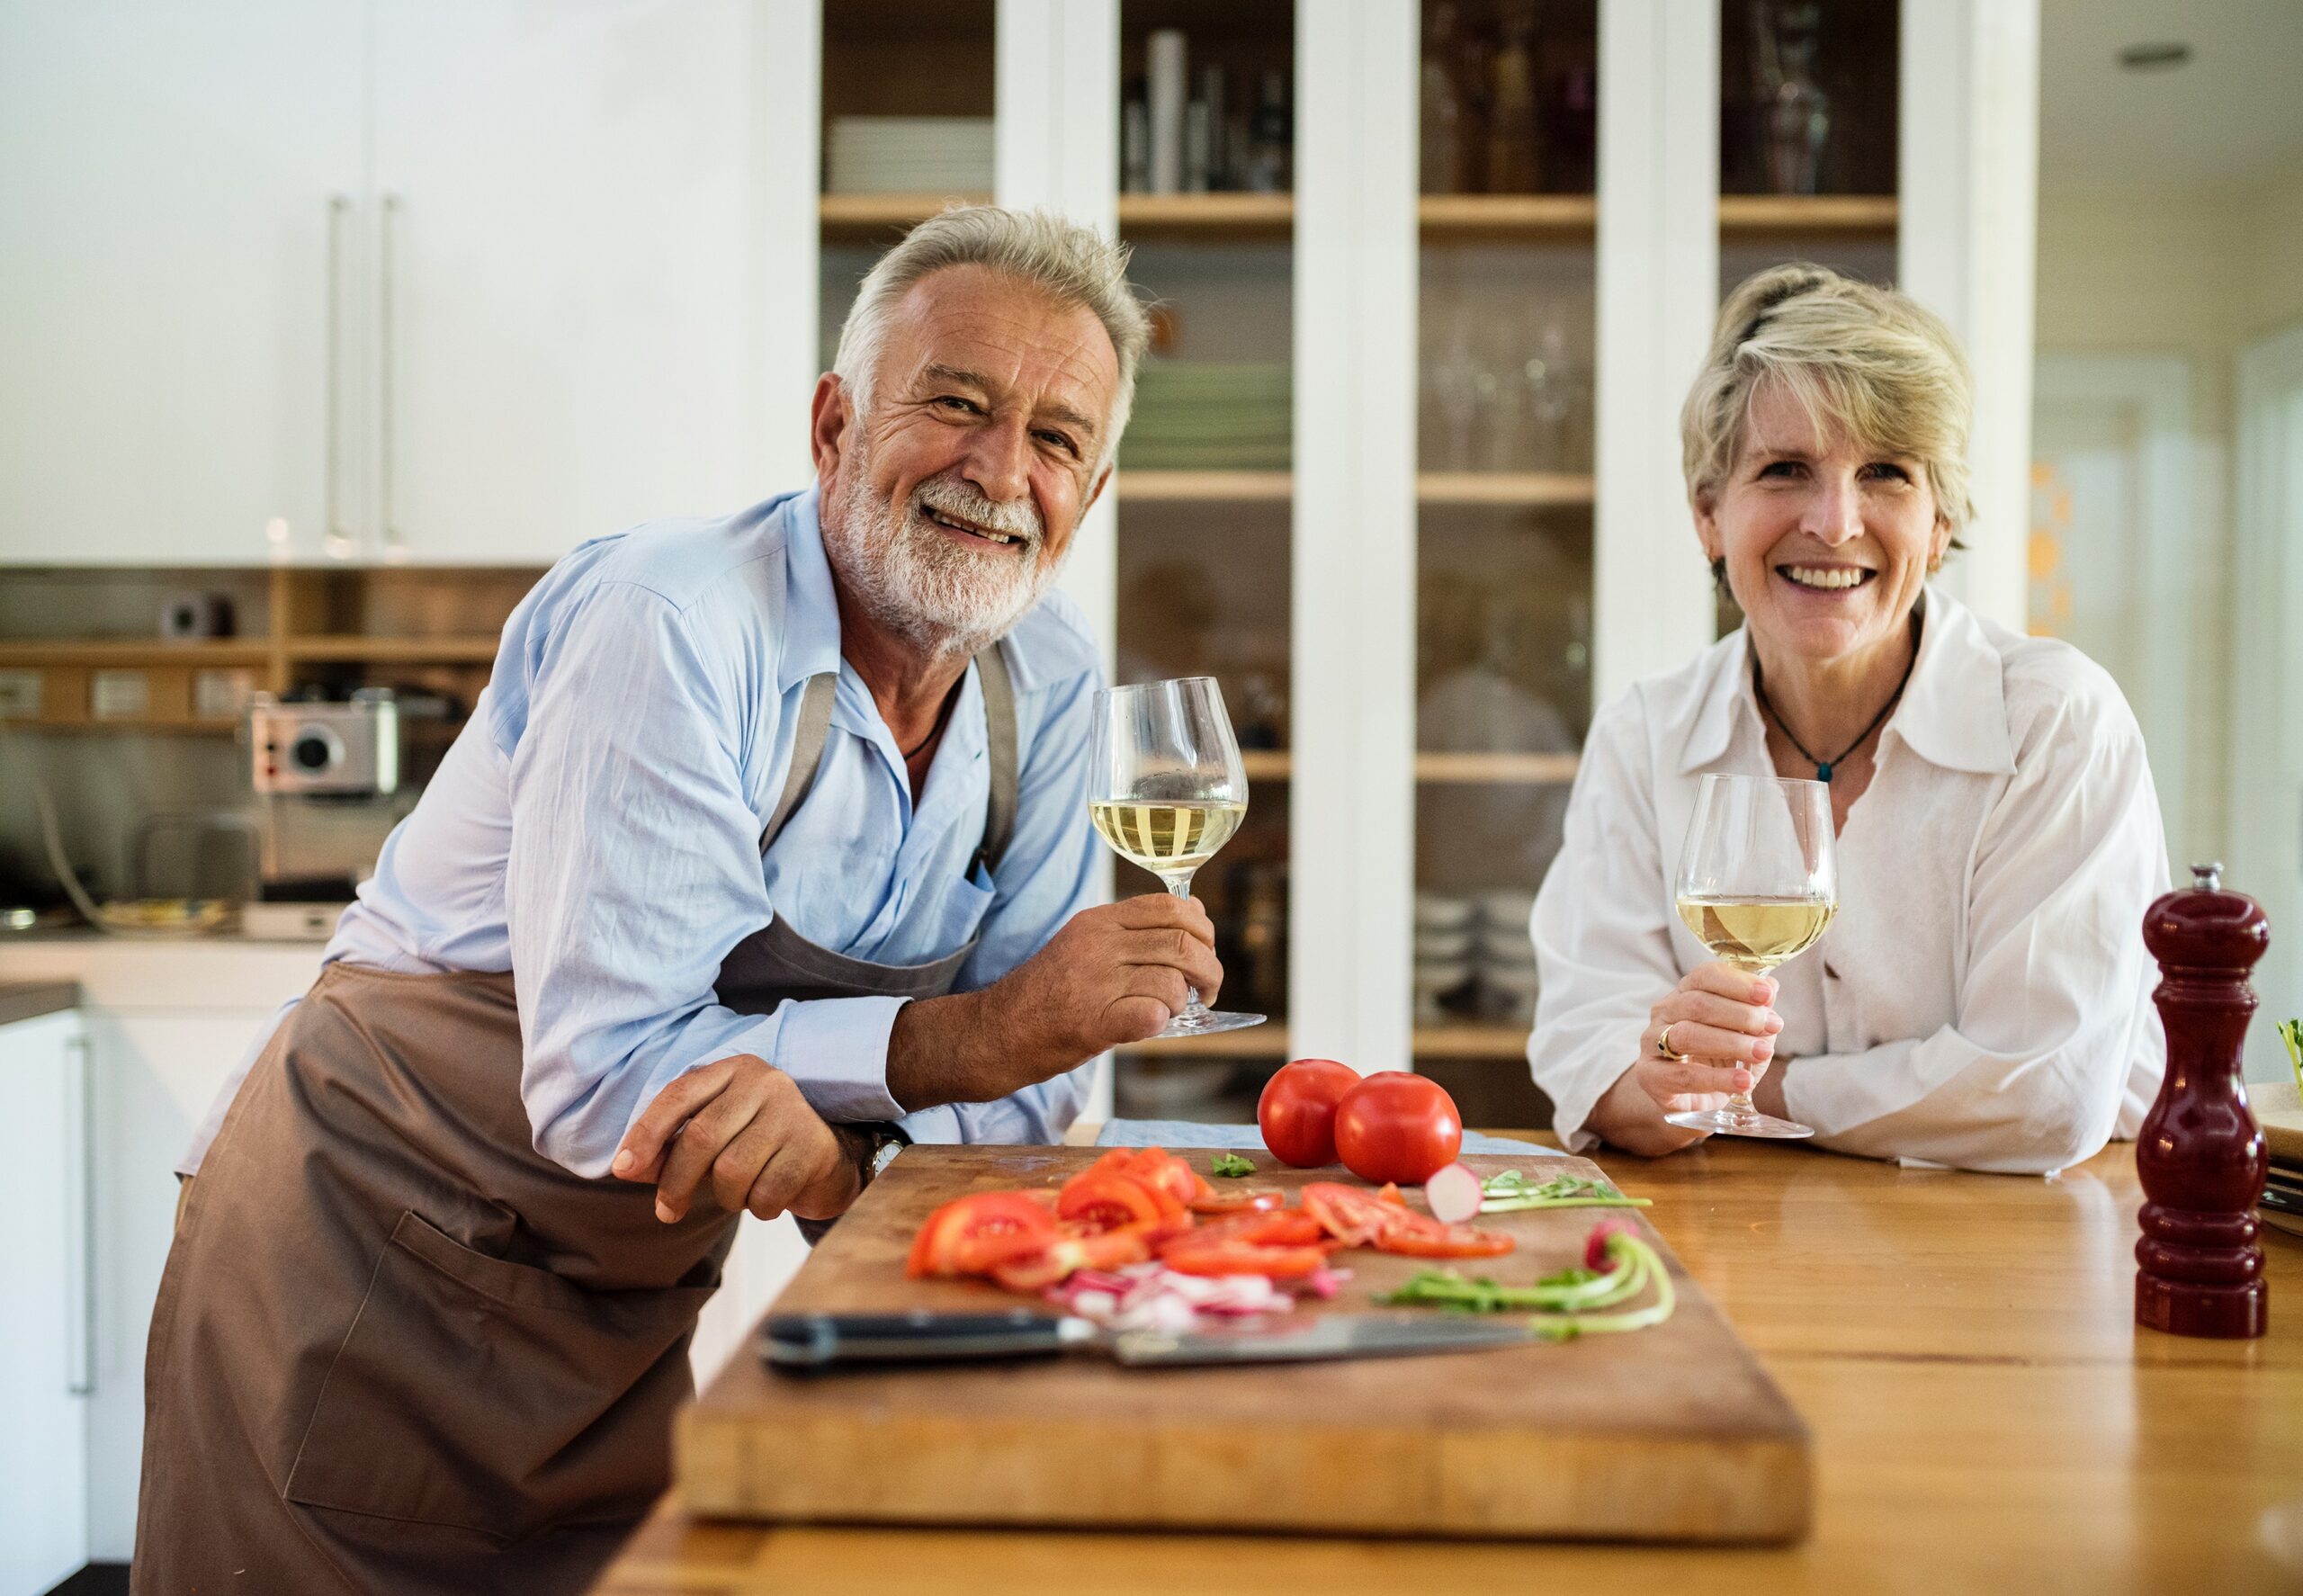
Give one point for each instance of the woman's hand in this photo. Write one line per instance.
(1719, 1023)
(742, 1125)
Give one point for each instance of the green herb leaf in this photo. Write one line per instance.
(2290, 1031)
(1231, 1164)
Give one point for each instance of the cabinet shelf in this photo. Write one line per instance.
(871, 215)
(1154, 485)
(1504, 488)
(133, 652)
(1562, 217)
(1745, 216)
(392, 651)
(1271, 1042)
(1266, 765)
(1534, 770)
(1193, 214)
(1471, 1042)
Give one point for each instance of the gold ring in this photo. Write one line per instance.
(1663, 1041)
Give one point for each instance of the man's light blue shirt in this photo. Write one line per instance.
(596, 830)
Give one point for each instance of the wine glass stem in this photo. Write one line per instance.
(1180, 886)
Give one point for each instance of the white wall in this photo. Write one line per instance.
(2196, 274)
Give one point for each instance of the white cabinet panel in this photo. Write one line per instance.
(154, 1072)
(166, 173)
(43, 1257)
(568, 281)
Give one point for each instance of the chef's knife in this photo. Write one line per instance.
(820, 1340)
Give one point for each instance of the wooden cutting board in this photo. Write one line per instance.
(1672, 1433)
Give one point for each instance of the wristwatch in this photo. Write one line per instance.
(882, 1142)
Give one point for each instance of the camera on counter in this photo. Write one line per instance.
(310, 748)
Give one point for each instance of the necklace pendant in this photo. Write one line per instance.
(1823, 774)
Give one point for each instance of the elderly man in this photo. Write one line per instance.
(765, 850)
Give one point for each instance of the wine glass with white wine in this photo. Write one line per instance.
(1166, 789)
(1758, 884)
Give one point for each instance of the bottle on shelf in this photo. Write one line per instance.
(1135, 140)
(1271, 135)
(1442, 106)
(1164, 52)
(1511, 111)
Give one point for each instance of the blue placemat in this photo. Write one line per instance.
(1187, 1133)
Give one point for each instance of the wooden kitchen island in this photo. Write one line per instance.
(1986, 1417)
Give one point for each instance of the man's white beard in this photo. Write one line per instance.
(912, 579)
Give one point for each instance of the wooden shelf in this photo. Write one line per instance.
(1514, 216)
(141, 725)
(875, 213)
(1153, 487)
(1267, 1041)
(1237, 214)
(1840, 215)
(1523, 769)
(1270, 1042)
(133, 652)
(1266, 765)
(393, 650)
(1504, 488)
(1471, 1042)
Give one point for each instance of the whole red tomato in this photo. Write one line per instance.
(1398, 1126)
(1297, 1110)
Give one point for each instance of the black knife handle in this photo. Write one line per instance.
(813, 1341)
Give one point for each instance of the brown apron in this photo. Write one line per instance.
(397, 1350)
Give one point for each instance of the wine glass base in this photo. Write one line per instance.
(1739, 1122)
(1207, 1022)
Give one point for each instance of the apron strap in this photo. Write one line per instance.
(807, 751)
(1000, 746)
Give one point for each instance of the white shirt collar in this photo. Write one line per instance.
(1953, 713)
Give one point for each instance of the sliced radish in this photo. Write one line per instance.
(1454, 1195)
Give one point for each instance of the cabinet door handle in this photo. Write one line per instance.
(387, 293)
(80, 1205)
(338, 537)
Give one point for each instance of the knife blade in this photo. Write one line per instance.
(800, 1341)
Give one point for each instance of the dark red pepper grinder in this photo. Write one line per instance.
(2200, 1153)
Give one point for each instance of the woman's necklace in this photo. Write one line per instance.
(1823, 768)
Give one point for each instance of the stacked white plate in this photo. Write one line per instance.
(908, 155)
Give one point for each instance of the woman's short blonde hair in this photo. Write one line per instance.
(1866, 359)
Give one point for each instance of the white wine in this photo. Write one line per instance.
(1757, 933)
(1167, 838)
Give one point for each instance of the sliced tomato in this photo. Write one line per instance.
(1284, 1227)
(1192, 1255)
(1352, 1216)
(1164, 1172)
(1427, 1237)
(1052, 1264)
(971, 1235)
(1389, 1192)
(1239, 1199)
(1109, 1198)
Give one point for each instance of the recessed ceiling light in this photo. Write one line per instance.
(2154, 58)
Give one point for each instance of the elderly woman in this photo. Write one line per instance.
(1982, 998)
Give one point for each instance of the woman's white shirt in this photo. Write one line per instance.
(1983, 998)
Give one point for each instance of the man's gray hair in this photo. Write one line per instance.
(1071, 264)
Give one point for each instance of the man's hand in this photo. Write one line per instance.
(1112, 975)
(742, 1125)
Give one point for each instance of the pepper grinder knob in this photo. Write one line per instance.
(2200, 1155)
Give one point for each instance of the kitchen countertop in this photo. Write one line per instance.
(31, 1000)
(1986, 1414)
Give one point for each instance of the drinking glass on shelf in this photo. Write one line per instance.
(1757, 885)
(1166, 789)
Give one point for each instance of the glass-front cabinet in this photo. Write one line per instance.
(1204, 489)
(1507, 124)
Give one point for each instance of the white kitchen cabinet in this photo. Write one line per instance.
(45, 1255)
(315, 281)
(178, 186)
(568, 280)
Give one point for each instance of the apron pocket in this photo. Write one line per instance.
(494, 1396)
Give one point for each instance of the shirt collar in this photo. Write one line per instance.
(811, 609)
(1953, 712)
